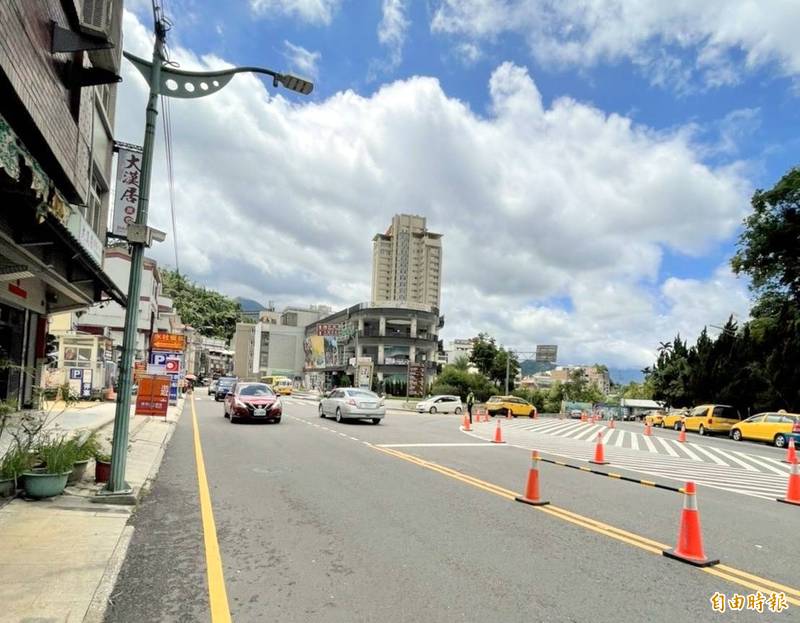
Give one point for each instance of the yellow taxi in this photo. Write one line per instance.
(503, 405)
(673, 419)
(655, 418)
(773, 427)
(706, 419)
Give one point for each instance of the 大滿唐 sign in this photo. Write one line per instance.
(126, 201)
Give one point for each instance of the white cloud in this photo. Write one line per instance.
(392, 31)
(588, 32)
(278, 198)
(468, 53)
(301, 60)
(311, 11)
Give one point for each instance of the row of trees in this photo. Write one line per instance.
(756, 365)
(209, 312)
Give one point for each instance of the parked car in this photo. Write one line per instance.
(212, 387)
(253, 401)
(674, 419)
(224, 385)
(575, 414)
(776, 428)
(655, 418)
(351, 403)
(707, 419)
(441, 404)
(503, 405)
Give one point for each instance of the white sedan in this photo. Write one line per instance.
(350, 403)
(441, 404)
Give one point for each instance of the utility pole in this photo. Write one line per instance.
(169, 82)
(117, 486)
(508, 365)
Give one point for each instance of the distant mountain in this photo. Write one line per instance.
(623, 376)
(249, 305)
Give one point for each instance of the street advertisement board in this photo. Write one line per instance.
(172, 366)
(153, 395)
(139, 368)
(546, 353)
(80, 382)
(364, 374)
(126, 201)
(171, 342)
(416, 379)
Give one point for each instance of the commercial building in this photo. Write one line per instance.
(385, 340)
(208, 356)
(407, 263)
(274, 345)
(594, 375)
(96, 332)
(58, 69)
(458, 349)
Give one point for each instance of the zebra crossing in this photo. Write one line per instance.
(730, 470)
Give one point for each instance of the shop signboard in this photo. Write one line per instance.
(126, 201)
(171, 342)
(416, 379)
(153, 396)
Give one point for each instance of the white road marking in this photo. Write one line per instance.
(650, 445)
(634, 441)
(440, 445)
(665, 443)
(710, 455)
(620, 439)
(685, 448)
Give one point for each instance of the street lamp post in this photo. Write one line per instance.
(162, 80)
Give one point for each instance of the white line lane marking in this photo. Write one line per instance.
(777, 462)
(711, 455)
(665, 443)
(620, 439)
(634, 441)
(590, 430)
(650, 445)
(354, 438)
(440, 445)
(739, 462)
(760, 462)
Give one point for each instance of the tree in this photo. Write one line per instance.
(768, 250)
(484, 353)
(209, 312)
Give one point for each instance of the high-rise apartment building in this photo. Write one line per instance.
(407, 263)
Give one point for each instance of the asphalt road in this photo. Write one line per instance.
(317, 521)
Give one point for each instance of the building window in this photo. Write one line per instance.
(77, 357)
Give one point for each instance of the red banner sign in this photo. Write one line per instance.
(153, 396)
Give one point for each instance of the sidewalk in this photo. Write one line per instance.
(59, 557)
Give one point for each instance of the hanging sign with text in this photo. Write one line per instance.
(126, 199)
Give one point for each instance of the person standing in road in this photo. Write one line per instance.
(470, 402)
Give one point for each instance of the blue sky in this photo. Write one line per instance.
(694, 107)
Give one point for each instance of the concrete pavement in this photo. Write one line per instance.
(318, 521)
(59, 557)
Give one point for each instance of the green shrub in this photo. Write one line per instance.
(14, 462)
(86, 446)
(58, 454)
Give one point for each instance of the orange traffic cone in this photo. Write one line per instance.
(682, 434)
(498, 435)
(690, 538)
(532, 487)
(648, 430)
(599, 454)
(583, 417)
(793, 488)
(611, 423)
(465, 424)
(791, 453)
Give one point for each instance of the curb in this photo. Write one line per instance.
(96, 611)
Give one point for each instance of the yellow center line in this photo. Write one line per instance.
(730, 574)
(217, 595)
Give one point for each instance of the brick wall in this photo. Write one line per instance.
(32, 71)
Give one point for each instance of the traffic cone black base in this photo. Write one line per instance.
(519, 498)
(670, 553)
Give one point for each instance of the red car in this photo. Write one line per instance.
(252, 401)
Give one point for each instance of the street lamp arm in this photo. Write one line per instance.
(193, 84)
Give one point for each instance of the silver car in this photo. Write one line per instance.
(212, 388)
(441, 404)
(348, 403)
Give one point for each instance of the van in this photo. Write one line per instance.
(707, 419)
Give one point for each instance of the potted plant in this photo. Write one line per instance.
(86, 445)
(102, 466)
(12, 465)
(58, 455)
